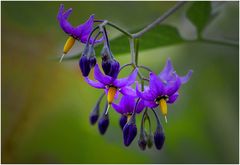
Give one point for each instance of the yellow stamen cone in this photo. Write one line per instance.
(128, 117)
(69, 44)
(111, 94)
(163, 107)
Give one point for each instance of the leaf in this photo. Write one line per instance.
(161, 35)
(199, 14)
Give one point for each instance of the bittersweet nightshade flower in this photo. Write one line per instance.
(126, 108)
(163, 88)
(113, 85)
(80, 32)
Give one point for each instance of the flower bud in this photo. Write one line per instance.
(94, 114)
(92, 61)
(123, 121)
(93, 118)
(88, 60)
(150, 140)
(84, 65)
(142, 142)
(129, 133)
(159, 139)
(103, 124)
(109, 64)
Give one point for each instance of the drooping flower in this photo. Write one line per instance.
(163, 88)
(126, 108)
(113, 85)
(80, 32)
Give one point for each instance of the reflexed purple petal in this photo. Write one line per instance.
(118, 108)
(87, 26)
(94, 84)
(155, 84)
(184, 79)
(127, 90)
(127, 103)
(140, 106)
(173, 86)
(173, 98)
(146, 95)
(63, 22)
(98, 75)
(126, 81)
(168, 68)
(150, 104)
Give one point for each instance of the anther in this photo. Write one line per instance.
(68, 45)
(111, 94)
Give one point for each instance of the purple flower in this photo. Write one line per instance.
(113, 85)
(163, 88)
(80, 32)
(126, 107)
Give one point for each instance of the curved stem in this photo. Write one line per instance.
(144, 67)
(159, 125)
(129, 64)
(116, 27)
(95, 38)
(159, 20)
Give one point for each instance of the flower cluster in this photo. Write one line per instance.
(123, 94)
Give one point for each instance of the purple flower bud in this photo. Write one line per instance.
(92, 61)
(109, 64)
(103, 124)
(94, 114)
(129, 133)
(159, 139)
(84, 65)
(88, 60)
(123, 121)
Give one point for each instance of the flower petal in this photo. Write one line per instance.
(168, 68)
(150, 104)
(87, 26)
(155, 84)
(117, 108)
(184, 79)
(127, 90)
(126, 81)
(173, 98)
(63, 22)
(140, 106)
(98, 75)
(172, 86)
(146, 95)
(94, 84)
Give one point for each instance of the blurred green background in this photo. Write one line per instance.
(46, 105)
